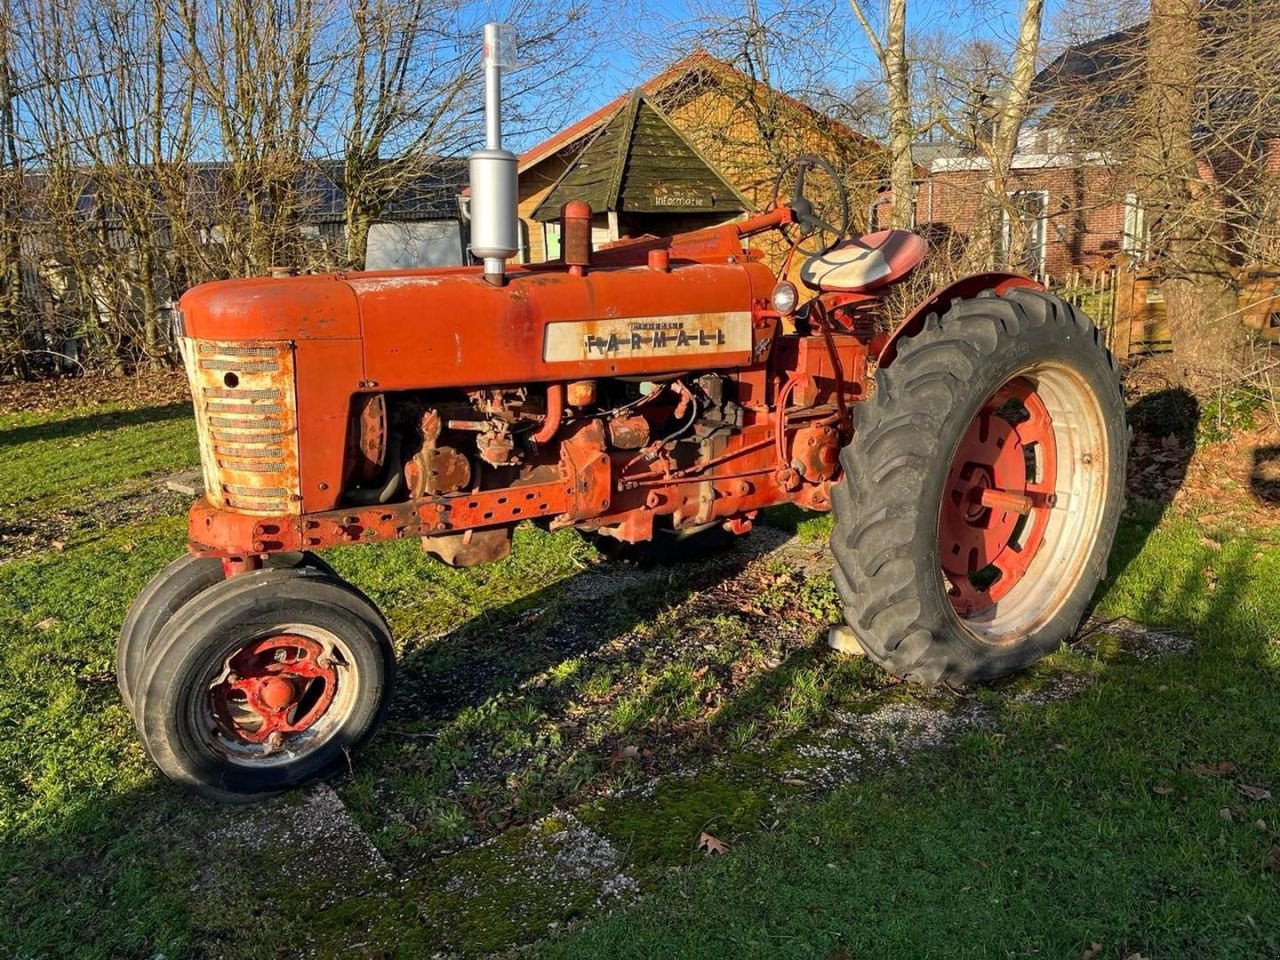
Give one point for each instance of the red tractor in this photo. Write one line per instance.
(657, 390)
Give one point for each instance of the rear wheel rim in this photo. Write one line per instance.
(279, 696)
(1023, 502)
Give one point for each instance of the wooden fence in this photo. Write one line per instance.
(1129, 307)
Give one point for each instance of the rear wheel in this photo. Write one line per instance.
(982, 490)
(264, 682)
(168, 591)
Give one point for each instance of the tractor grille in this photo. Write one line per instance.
(244, 400)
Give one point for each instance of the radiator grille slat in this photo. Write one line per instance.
(246, 418)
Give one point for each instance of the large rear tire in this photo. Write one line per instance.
(982, 490)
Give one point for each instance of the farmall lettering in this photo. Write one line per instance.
(666, 336)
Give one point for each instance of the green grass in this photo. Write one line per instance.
(1051, 835)
(52, 460)
(518, 698)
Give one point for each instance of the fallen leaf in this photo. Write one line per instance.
(629, 752)
(1225, 814)
(1213, 769)
(1093, 950)
(1273, 861)
(712, 846)
(1254, 793)
(795, 782)
(1135, 956)
(1210, 544)
(48, 623)
(1260, 824)
(58, 545)
(1162, 790)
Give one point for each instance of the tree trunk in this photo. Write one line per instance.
(358, 221)
(901, 130)
(1209, 338)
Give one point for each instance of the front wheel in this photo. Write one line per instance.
(982, 490)
(165, 594)
(264, 682)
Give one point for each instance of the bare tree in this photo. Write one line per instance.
(405, 90)
(891, 54)
(11, 198)
(1199, 296)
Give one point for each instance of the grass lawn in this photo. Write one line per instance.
(564, 731)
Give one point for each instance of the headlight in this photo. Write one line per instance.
(785, 297)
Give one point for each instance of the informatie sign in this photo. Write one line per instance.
(681, 198)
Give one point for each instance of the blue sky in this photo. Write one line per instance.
(848, 58)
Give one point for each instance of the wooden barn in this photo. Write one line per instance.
(697, 145)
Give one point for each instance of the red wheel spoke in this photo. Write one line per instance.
(989, 503)
(1011, 562)
(965, 597)
(256, 702)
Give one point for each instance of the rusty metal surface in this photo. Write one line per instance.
(246, 422)
(367, 439)
(815, 452)
(469, 549)
(548, 329)
(628, 433)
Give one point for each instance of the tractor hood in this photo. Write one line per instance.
(451, 327)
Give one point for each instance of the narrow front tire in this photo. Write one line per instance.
(264, 682)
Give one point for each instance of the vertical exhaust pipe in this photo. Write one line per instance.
(494, 220)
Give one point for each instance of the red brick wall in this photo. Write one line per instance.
(1085, 222)
(1086, 209)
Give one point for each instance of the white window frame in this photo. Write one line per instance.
(1133, 236)
(1039, 235)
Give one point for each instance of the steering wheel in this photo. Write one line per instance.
(812, 226)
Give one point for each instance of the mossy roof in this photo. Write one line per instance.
(639, 162)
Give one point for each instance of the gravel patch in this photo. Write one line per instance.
(858, 744)
(313, 840)
(1143, 643)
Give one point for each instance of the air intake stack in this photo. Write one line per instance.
(494, 223)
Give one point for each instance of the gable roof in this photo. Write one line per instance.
(639, 162)
(698, 61)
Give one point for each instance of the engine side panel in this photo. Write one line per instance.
(459, 330)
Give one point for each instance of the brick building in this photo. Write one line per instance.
(1075, 195)
(1077, 212)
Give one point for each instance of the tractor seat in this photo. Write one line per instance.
(864, 263)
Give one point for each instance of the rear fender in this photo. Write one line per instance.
(962, 289)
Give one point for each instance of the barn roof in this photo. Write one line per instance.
(639, 162)
(697, 64)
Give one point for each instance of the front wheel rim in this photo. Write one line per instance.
(278, 696)
(1023, 502)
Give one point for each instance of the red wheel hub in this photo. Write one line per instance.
(274, 687)
(996, 503)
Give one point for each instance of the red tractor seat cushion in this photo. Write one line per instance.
(864, 263)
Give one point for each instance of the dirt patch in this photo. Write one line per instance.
(154, 388)
(26, 537)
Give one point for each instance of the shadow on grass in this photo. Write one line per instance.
(144, 851)
(93, 423)
(1163, 421)
(173, 895)
(1264, 478)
